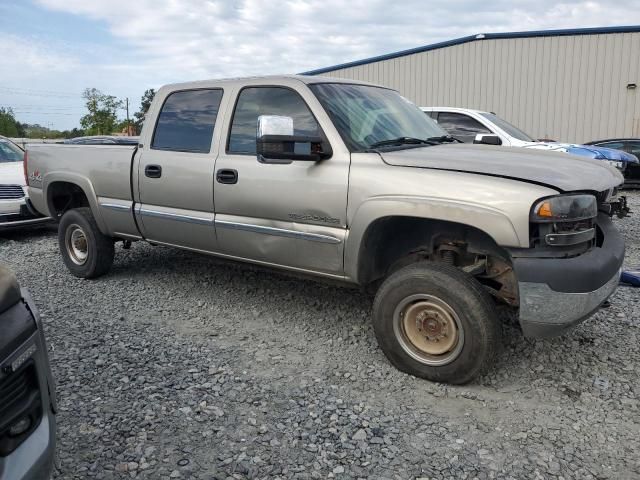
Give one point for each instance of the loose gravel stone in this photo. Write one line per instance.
(176, 365)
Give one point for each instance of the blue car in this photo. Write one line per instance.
(630, 146)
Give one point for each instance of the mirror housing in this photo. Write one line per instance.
(487, 139)
(277, 143)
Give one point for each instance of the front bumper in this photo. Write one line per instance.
(558, 293)
(33, 458)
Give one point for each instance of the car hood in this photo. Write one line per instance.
(558, 170)
(11, 173)
(589, 151)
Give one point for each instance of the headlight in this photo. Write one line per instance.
(615, 163)
(565, 208)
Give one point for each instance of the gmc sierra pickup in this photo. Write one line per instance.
(350, 181)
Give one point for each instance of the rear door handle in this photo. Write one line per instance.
(153, 171)
(227, 175)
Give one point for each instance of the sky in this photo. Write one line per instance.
(53, 49)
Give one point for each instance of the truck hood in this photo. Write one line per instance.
(557, 170)
(11, 173)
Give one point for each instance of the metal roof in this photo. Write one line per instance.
(480, 36)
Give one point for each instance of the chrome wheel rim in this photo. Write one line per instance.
(428, 329)
(76, 244)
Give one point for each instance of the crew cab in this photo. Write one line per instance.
(475, 126)
(351, 182)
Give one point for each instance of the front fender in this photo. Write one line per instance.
(84, 183)
(489, 220)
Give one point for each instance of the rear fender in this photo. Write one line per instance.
(82, 182)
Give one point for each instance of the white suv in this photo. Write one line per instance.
(15, 208)
(476, 126)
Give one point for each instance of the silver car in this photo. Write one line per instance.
(27, 395)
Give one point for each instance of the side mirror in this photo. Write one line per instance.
(277, 143)
(487, 139)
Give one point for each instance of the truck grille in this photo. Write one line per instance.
(19, 399)
(11, 192)
(15, 389)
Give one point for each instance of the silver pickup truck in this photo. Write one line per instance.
(351, 182)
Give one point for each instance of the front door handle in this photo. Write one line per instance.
(227, 175)
(153, 171)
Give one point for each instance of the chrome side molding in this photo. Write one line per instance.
(175, 216)
(281, 232)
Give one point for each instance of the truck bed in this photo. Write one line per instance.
(103, 171)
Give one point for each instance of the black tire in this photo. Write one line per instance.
(444, 289)
(97, 257)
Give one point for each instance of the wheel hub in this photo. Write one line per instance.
(431, 325)
(428, 329)
(76, 243)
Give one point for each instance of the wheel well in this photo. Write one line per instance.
(391, 243)
(63, 196)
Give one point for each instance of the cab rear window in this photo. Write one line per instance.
(186, 121)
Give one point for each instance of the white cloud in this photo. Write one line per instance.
(34, 55)
(195, 38)
(162, 41)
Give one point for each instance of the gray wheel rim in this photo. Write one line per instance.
(428, 329)
(75, 241)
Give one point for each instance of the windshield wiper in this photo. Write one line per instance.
(402, 141)
(444, 139)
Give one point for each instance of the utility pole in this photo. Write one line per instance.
(128, 124)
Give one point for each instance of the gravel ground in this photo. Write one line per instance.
(177, 365)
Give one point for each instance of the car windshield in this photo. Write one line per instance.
(511, 130)
(10, 152)
(366, 116)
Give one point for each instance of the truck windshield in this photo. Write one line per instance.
(511, 130)
(366, 116)
(10, 152)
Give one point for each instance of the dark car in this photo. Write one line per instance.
(103, 140)
(629, 145)
(27, 395)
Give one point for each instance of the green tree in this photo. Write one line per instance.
(21, 129)
(102, 118)
(8, 124)
(74, 132)
(145, 103)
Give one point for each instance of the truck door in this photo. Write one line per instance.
(291, 214)
(175, 171)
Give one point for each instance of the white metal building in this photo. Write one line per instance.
(570, 85)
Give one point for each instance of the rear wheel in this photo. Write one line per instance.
(86, 251)
(436, 322)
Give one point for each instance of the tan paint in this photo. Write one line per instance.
(304, 216)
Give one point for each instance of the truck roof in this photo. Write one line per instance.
(275, 79)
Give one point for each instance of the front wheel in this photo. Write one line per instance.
(436, 322)
(86, 251)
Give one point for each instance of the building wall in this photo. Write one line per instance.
(569, 88)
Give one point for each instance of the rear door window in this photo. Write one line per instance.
(186, 121)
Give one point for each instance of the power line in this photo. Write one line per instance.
(45, 113)
(37, 91)
(41, 107)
